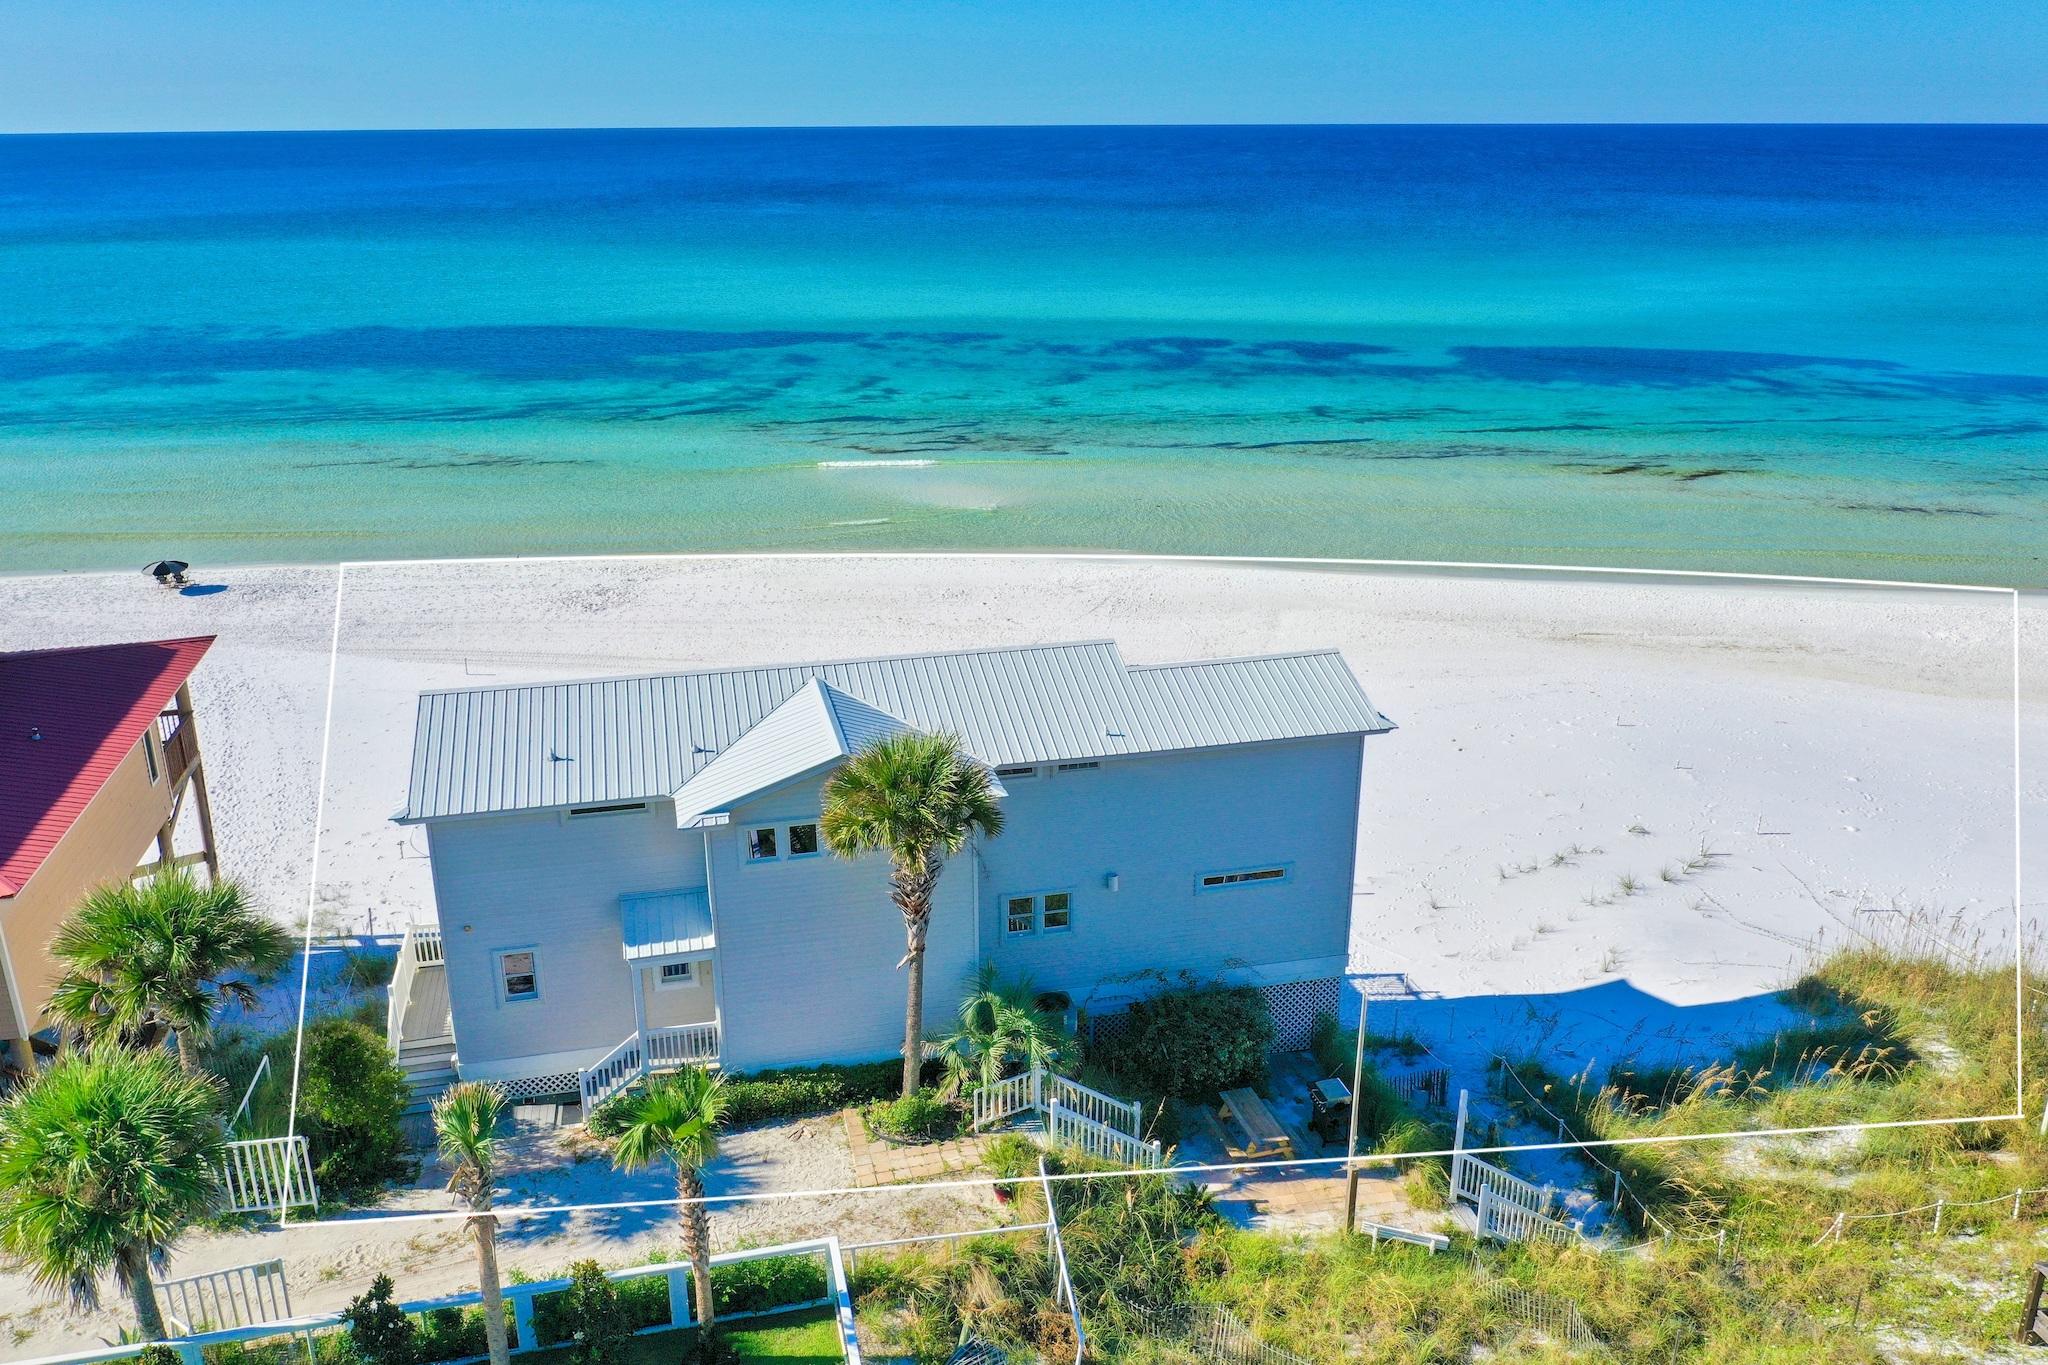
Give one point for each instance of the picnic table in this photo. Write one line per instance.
(1248, 1115)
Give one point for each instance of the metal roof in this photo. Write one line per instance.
(67, 719)
(546, 746)
(666, 923)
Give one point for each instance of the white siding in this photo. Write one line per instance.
(807, 948)
(553, 881)
(1158, 822)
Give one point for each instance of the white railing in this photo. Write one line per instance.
(262, 1068)
(837, 1297)
(1011, 1095)
(1472, 1178)
(1063, 1281)
(1065, 1127)
(1126, 1116)
(1036, 1088)
(637, 1055)
(421, 947)
(267, 1173)
(234, 1297)
(1502, 1221)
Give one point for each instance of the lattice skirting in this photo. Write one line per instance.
(1294, 1006)
(560, 1085)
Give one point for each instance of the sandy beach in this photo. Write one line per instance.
(1616, 815)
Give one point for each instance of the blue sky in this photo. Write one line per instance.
(77, 65)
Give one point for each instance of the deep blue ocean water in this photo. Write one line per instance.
(1819, 350)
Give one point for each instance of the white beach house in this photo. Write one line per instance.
(629, 873)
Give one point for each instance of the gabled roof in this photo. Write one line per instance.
(548, 746)
(90, 705)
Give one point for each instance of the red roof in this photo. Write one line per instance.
(91, 706)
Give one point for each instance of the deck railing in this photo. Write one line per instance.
(1472, 1178)
(1502, 1221)
(174, 737)
(1011, 1095)
(1036, 1088)
(637, 1055)
(421, 947)
(267, 1174)
(1065, 1127)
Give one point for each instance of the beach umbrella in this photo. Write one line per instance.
(167, 570)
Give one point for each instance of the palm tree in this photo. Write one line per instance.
(1002, 1031)
(677, 1116)
(919, 799)
(466, 1123)
(143, 960)
(105, 1160)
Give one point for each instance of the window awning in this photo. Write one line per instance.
(666, 924)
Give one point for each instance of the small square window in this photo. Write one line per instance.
(803, 839)
(1059, 911)
(519, 977)
(677, 974)
(1022, 914)
(761, 843)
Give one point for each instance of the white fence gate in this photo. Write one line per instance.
(1502, 1221)
(1039, 1089)
(235, 1297)
(265, 1174)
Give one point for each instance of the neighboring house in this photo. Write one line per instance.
(99, 756)
(629, 872)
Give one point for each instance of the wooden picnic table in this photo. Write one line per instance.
(1263, 1134)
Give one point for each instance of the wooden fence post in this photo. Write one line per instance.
(1940, 1207)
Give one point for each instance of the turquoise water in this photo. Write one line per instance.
(1815, 350)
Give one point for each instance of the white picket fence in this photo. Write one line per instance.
(234, 1297)
(1070, 1128)
(267, 1174)
(1502, 1221)
(1039, 1088)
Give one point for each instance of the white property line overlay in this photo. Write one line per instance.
(2018, 1113)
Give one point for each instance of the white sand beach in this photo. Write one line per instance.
(1830, 761)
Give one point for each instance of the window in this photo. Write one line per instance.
(1079, 767)
(1214, 881)
(674, 975)
(1050, 912)
(803, 840)
(518, 975)
(761, 844)
(149, 755)
(622, 808)
(1016, 771)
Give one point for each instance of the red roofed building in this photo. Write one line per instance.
(99, 757)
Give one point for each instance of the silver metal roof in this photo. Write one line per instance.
(546, 746)
(665, 923)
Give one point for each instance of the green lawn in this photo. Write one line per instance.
(786, 1339)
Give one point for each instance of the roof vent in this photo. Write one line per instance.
(35, 732)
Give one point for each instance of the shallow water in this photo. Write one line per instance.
(1799, 350)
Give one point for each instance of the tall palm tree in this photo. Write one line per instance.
(1002, 1031)
(105, 1160)
(677, 1116)
(145, 959)
(917, 798)
(466, 1124)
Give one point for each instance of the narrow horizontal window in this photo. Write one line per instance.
(803, 839)
(761, 843)
(1211, 881)
(1079, 767)
(622, 808)
(1016, 771)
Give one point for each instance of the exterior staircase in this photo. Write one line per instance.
(418, 1027)
(429, 1069)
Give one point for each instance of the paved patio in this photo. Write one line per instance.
(884, 1163)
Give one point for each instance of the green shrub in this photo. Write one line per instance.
(350, 1102)
(771, 1282)
(377, 1330)
(451, 1334)
(921, 1117)
(767, 1096)
(596, 1323)
(1011, 1155)
(1191, 1041)
(158, 1355)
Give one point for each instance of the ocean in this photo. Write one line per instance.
(1814, 350)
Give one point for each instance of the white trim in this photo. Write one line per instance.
(498, 956)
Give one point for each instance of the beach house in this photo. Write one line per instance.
(629, 872)
(99, 764)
